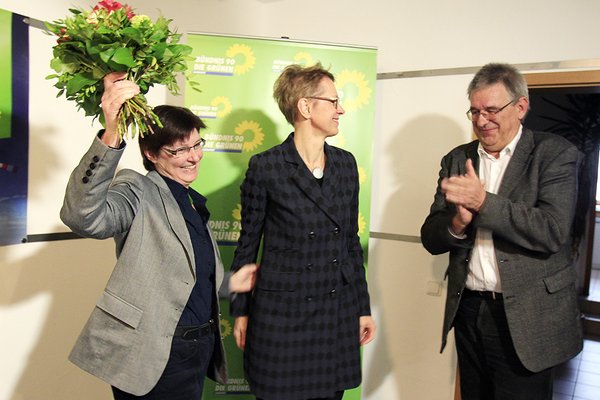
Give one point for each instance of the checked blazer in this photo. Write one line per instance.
(303, 330)
(530, 219)
(127, 338)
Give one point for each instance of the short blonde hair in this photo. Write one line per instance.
(296, 82)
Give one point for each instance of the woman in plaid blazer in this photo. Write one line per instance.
(302, 328)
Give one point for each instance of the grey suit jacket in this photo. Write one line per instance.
(127, 339)
(531, 218)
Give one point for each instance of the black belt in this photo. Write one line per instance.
(482, 293)
(195, 332)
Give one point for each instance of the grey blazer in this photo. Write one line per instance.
(127, 339)
(531, 218)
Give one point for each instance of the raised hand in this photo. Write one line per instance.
(465, 190)
(117, 90)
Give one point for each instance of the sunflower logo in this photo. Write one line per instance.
(303, 58)
(225, 328)
(355, 87)
(223, 104)
(362, 223)
(237, 212)
(362, 175)
(257, 134)
(248, 55)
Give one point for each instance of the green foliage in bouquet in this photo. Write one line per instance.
(110, 38)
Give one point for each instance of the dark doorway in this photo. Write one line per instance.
(572, 110)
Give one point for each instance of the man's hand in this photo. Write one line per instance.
(465, 190)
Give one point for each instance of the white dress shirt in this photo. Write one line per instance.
(483, 266)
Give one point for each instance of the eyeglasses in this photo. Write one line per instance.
(184, 151)
(489, 113)
(333, 100)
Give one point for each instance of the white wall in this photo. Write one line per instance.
(48, 289)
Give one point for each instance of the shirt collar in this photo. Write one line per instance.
(183, 194)
(508, 150)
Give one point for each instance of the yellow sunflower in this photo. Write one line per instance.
(362, 175)
(355, 87)
(226, 328)
(237, 212)
(257, 134)
(362, 224)
(247, 53)
(224, 105)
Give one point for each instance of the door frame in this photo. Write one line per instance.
(573, 79)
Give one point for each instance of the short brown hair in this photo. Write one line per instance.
(178, 123)
(296, 82)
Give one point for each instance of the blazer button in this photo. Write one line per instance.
(85, 179)
(88, 172)
(96, 159)
(335, 261)
(308, 298)
(309, 267)
(311, 235)
(336, 230)
(92, 166)
(332, 293)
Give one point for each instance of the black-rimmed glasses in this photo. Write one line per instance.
(333, 100)
(184, 151)
(488, 113)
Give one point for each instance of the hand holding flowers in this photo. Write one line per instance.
(110, 38)
(117, 91)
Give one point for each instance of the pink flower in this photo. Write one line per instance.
(111, 6)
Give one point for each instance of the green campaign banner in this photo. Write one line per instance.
(5, 72)
(235, 76)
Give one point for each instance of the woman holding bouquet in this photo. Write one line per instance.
(154, 333)
(302, 329)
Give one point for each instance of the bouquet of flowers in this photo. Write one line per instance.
(111, 37)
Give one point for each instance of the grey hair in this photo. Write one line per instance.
(506, 74)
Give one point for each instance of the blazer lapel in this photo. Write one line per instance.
(332, 176)
(518, 163)
(174, 218)
(303, 178)
(473, 155)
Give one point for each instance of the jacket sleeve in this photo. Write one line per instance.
(355, 249)
(254, 203)
(435, 232)
(95, 206)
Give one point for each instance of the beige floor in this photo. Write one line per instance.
(579, 379)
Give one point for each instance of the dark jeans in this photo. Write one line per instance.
(336, 396)
(183, 377)
(488, 364)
